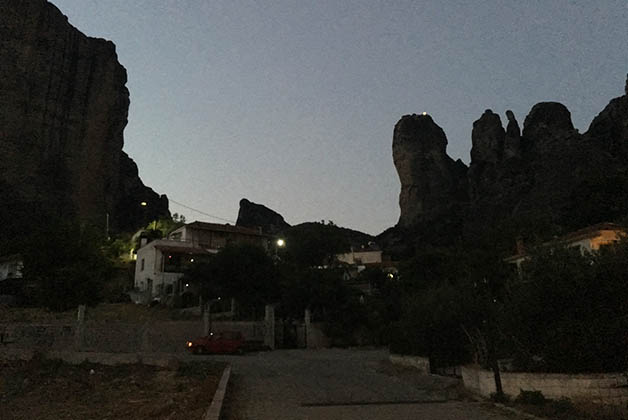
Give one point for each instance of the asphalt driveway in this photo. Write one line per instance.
(342, 384)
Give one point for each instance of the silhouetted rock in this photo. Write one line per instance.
(512, 140)
(257, 215)
(487, 138)
(610, 128)
(535, 182)
(63, 109)
(431, 182)
(487, 151)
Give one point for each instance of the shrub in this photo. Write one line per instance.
(580, 303)
(530, 397)
(499, 397)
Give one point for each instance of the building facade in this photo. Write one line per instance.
(588, 239)
(161, 264)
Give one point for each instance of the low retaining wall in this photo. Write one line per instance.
(420, 363)
(117, 337)
(611, 388)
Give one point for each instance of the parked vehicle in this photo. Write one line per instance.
(222, 342)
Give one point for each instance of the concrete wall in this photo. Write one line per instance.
(114, 337)
(602, 387)
(420, 363)
(38, 337)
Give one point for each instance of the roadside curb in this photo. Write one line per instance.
(213, 412)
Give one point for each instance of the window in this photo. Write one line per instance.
(142, 265)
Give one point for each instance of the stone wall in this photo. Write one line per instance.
(420, 363)
(601, 387)
(115, 337)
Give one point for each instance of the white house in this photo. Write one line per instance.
(362, 257)
(161, 263)
(587, 239)
(11, 267)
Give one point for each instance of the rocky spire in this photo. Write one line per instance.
(547, 126)
(430, 180)
(512, 141)
(487, 138)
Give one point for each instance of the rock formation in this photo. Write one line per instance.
(257, 215)
(544, 180)
(512, 140)
(431, 182)
(63, 109)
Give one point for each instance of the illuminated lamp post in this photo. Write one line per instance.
(280, 243)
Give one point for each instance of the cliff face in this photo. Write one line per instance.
(63, 109)
(547, 176)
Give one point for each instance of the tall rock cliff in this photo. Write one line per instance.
(63, 109)
(431, 182)
(545, 179)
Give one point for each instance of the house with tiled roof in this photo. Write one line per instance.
(161, 263)
(588, 239)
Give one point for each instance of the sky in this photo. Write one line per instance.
(292, 104)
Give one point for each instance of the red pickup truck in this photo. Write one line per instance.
(221, 342)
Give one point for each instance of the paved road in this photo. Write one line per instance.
(342, 384)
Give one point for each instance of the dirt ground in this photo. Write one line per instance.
(53, 390)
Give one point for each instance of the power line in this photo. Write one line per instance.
(201, 212)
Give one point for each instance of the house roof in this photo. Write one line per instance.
(589, 232)
(190, 250)
(577, 235)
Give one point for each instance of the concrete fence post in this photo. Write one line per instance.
(308, 320)
(145, 344)
(269, 323)
(206, 325)
(79, 331)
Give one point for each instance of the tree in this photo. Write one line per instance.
(65, 265)
(580, 302)
(244, 272)
(314, 244)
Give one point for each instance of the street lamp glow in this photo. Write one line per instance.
(143, 204)
(281, 243)
(424, 113)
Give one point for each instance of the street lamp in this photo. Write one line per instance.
(279, 243)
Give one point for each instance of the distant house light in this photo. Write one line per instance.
(143, 204)
(424, 113)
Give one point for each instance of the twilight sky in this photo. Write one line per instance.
(292, 104)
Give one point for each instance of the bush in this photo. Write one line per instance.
(431, 327)
(580, 303)
(531, 397)
(499, 397)
(66, 266)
